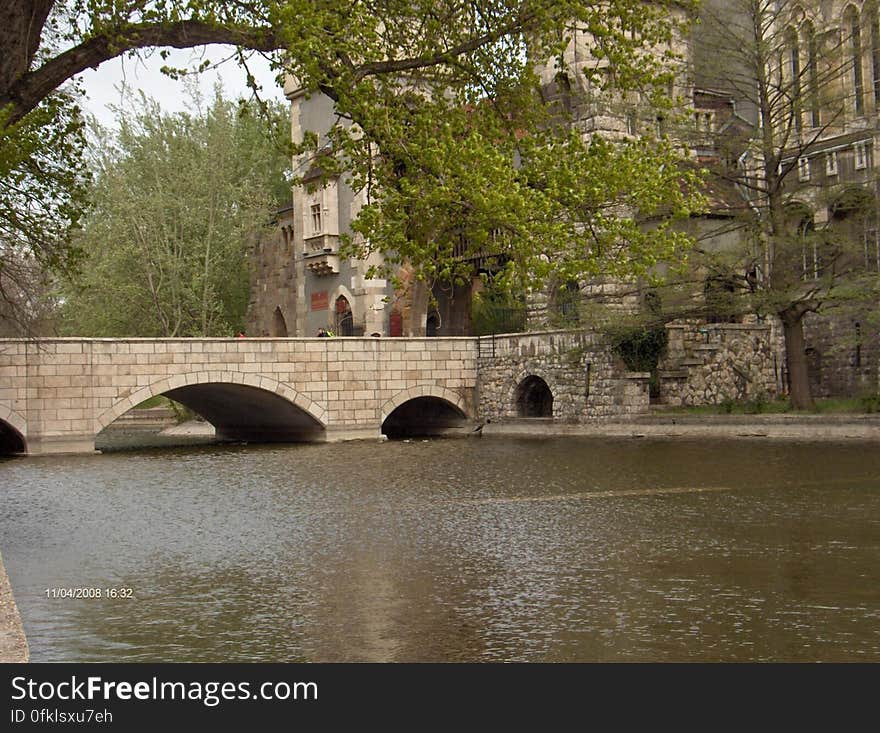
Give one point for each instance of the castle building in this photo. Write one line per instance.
(826, 64)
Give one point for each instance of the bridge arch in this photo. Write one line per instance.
(240, 406)
(13, 432)
(425, 409)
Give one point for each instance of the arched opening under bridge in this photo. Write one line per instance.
(424, 416)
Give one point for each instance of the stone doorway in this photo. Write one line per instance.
(279, 325)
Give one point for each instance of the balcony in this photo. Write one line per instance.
(322, 254)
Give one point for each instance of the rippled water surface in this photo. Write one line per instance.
(484, 549)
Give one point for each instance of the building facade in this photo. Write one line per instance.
(826, 60)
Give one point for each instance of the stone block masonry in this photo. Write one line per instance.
(56, 395)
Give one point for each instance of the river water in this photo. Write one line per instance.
(564, 549)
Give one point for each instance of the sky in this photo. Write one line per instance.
(103, 85)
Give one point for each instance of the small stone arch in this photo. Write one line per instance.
(318, 413)
(423, 390)
(518, 378)
(533, 397)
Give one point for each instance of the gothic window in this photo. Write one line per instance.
(853, 219)
(794, 58)
(279, 325)
(799, 223)
(432, 324)
(812, 74)
(854, 31)
(875, 52)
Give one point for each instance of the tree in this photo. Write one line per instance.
(176, 202)
(800, 71)
(475, 161)
(400, 70)
(42, 194)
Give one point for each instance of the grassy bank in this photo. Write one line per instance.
(869, 404)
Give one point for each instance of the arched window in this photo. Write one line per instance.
(794, 68)
(854, 221)
(809, 33)
(875, 52)
(799, 224)
(344, 317)
(852, 28)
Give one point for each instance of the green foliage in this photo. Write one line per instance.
(441, 123)
(178, 199)
(870, 403)
(760, 404)
(42, 194)
(465, 159)
(496, 311)
(640, 347)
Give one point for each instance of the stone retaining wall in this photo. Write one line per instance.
(587, 381)
(706, 364)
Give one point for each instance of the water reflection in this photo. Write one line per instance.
(490, 549)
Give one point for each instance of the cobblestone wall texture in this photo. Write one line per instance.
(707, 364)
(587, 381)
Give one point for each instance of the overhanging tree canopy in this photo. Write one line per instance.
(403, 71)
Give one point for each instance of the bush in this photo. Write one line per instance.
(870, 403)
(640, 347)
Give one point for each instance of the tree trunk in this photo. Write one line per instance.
(798, 375)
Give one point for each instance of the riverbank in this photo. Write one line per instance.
(13, 644)
(785, 426)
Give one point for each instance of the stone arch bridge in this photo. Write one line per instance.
(56, 395)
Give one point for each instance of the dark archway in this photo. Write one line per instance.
(432, 324)
(344, 317)
(423, 416)
(533, 398)
(279, 325)
(241, 412)
(11, 441)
